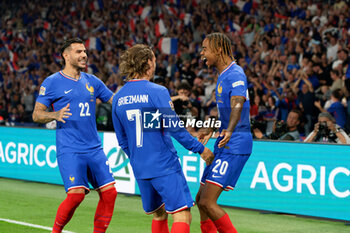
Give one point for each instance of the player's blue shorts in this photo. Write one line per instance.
(77, 169)
(170, 190)
(225, 170)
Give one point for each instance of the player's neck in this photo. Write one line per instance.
(71, 72)
(223, 64)
(145, 77)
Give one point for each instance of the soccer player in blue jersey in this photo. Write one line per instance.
(138, 111)
(234, 145)
(72, 95)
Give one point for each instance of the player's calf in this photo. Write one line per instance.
(104, 210)
(66, 210)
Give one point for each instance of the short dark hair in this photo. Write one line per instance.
(297, 111)
(184, 86)
(337, 94)
(67, 43)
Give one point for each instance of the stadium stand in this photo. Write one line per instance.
(296, 52)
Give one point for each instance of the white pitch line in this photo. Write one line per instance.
(30, 225)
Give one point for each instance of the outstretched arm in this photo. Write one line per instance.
(40, 115)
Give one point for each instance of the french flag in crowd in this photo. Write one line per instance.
(171, 10)
(168, 45)
(13, 56)
(131, 42)
(230, 2)
(160, 28)
(96, 5)
(85, 24)
(93, 43)
(232, 27)
(186, 17)
(12, 67)
(144, 12)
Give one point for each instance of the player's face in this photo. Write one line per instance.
(76, 56)
(207, 54)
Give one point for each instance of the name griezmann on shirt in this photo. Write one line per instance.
(132, 99)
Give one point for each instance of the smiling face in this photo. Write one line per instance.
(208, 55)
(75, 56)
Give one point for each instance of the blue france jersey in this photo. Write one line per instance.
(138, 111)
(79, 133)
(233, 82)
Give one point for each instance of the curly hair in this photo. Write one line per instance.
(219, 40)
(134, 61)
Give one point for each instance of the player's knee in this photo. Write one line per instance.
(183, 216)
(160, 214)
(109, 195)
(204, 204)
(75, 198)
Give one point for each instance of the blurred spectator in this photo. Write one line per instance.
(347, 95)
(337, 81)
(337, 109)
(306, 99)
(182, 102)
(270, 115)
(283, 131)
(326, 130)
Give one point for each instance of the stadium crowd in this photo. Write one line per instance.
(294, 53)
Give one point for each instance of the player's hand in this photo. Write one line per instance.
(207, 156)
(204, 136)
(226, 137)
(63, 114)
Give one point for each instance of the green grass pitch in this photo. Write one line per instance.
(37, 203)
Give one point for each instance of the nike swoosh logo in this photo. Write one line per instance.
(66, 92)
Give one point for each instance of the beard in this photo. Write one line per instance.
(76, 65)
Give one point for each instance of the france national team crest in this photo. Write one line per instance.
(219, 89)
(91, 90)
(72, 179)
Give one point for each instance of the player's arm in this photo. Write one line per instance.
(40, 115)
(110, 101)
(102, 91)
(236, 110)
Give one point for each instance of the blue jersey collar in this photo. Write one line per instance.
(228, 67)
(66, 76)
